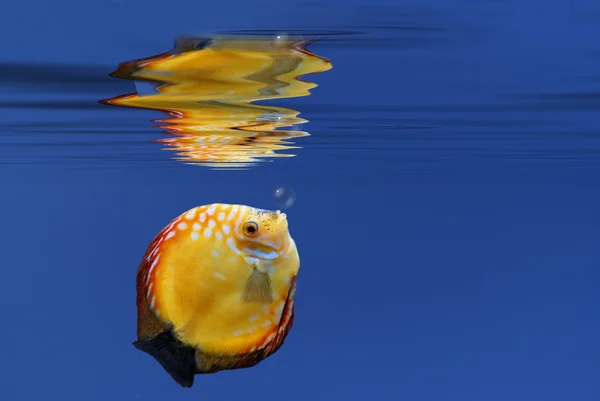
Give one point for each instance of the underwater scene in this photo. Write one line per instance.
(304, 200)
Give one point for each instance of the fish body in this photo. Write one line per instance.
(215, 290)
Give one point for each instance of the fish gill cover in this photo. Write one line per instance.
(208, 87)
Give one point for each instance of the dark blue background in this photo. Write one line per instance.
(447, 214)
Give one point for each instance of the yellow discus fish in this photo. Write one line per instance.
(215, 290)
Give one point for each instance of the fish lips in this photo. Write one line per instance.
(267, 248)
(265, 252)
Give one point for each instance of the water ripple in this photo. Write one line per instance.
(56, 78)
(205, 100)
(210, 86)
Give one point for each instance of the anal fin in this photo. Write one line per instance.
(178, 359)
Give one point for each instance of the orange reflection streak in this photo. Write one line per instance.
(208, 86)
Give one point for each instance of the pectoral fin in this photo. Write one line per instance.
(258, 288)
(178, 359)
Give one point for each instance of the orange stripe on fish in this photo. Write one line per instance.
(215, 290)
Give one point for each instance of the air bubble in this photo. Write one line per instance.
(284, 39)
(285, 197)
(281, 37)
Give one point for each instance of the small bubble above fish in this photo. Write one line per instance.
(281, 38)
(285, 197)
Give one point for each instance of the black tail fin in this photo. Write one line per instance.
(178, 359)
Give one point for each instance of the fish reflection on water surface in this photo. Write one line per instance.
(208, 86)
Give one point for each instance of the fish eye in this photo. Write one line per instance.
(250, 228)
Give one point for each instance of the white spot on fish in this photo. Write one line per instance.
(266, 323)
(207, 232)
(238, 333)
(250, 260)
(211, 210)
(252, 349)
(196, 227)
(149, 290)
(182, 226)
(170, 234)
(211, 224)
(220, 276)
(215, 253)
(153, 266)
(251, 329)
(265, 309)
(194, 236)
(202, 217)
(190, 214)
(233, 212)
(219, 235)
(153, 251)
(152, 302)
(221, 216)
(287, 280)
(253, 318)
(226, 229)
(157, 313)
(231, 244)
(238, 222)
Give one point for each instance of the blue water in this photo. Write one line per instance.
(446, 217)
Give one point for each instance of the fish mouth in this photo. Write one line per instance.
(282, 221)
(263, 252)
